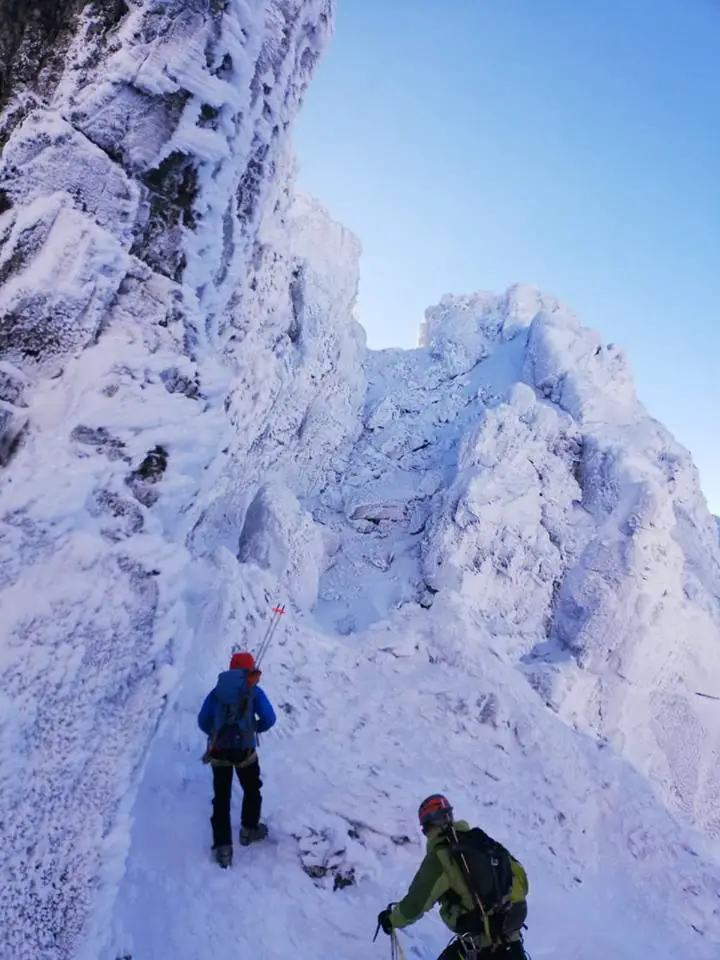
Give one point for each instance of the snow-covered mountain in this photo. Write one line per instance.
(502, 578)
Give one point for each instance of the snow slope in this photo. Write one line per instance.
(501, 575)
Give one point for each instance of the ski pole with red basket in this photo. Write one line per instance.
(277, 612)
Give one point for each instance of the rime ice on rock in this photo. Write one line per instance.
(190, 424)
(140, 155)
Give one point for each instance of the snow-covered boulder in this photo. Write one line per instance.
(514, 515)
(279, 536)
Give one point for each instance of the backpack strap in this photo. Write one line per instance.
(456, 852)
(215, 728)
(492, 919)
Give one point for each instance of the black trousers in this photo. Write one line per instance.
(251, 783)
(511, 951)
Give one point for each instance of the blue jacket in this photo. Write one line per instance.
(227, 690)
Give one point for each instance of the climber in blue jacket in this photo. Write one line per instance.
(232, 715)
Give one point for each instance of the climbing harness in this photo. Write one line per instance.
(470, 948)
(471, 951)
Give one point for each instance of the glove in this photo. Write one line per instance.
(384, 921)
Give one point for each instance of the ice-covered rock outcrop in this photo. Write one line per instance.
(510, 463)
(165, 343)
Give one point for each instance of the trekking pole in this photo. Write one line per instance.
(278, 611)
(270, 633)
(396, 950)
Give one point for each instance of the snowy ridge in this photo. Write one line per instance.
(640, 610)
(578, 519)
(501, 575)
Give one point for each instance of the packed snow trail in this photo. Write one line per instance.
(367, 726)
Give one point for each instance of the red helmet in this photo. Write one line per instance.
(242, 661)
(435, 810)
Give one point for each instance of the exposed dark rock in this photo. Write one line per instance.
(154, 465)
(208, 116)
(142, 480)
(323, 861)
(101, 439)
(13, 425)
(251, 184)
(172, 189)
(401, 840)
(35, 36)
(297, 304)
(488, 709)
(20, 250)
(176, 382)
(12, 386)
(344, 879)
(127, 515)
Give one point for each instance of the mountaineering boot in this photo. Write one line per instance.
(224, 855)
(250, 835)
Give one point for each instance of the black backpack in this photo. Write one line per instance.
(488, 870)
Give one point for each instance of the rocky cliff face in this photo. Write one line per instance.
(162, 339)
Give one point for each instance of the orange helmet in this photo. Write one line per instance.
(435, 810)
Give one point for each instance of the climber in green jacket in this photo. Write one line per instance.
(480, 887)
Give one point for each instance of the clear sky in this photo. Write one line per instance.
(570, 144)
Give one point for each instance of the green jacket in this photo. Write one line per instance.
(439, 879)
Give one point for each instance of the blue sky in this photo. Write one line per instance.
(570, 144)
